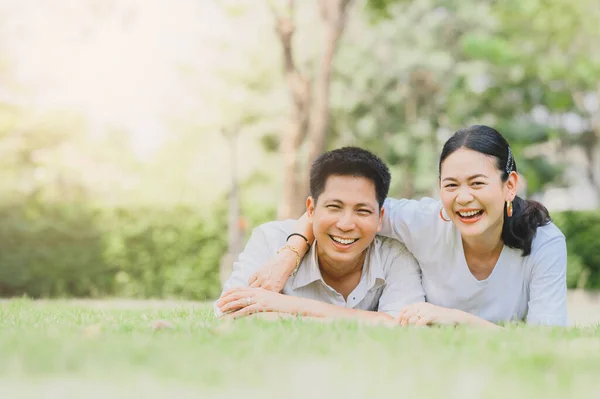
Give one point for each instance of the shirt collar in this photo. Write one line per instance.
(309, 271)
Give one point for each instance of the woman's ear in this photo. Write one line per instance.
(512, 185)
(310, 206)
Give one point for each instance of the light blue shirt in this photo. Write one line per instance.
(531, 288)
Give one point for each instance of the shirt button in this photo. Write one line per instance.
(353, 298)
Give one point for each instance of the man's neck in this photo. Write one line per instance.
(342, 277)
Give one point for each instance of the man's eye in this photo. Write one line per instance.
(478, 183)
(364, 212)
(334, 207)
(451, 185)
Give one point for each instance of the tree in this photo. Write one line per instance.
(309, 116)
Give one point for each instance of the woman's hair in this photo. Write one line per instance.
(517, 231)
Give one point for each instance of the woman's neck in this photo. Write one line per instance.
(488, 243)
(482, 254)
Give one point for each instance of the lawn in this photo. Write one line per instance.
(72, 350)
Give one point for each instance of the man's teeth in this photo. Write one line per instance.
(343, 240)
(469, 213)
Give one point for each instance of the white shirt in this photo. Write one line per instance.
(390, 278)
(531, 288)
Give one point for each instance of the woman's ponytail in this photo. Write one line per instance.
(519, 229)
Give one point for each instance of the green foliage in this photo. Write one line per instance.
(50, 250)
(582, 230)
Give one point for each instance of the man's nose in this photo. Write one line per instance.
(346, 222)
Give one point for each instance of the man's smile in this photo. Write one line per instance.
(342, 240)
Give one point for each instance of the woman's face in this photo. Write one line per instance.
(473, 193)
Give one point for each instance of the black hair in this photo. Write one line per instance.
(350, 161)
(517, 231)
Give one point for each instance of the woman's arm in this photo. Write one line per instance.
(275, 273)
(401, 218)
(425, 314)
(548, 288)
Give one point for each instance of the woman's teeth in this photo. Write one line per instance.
(343, 240)
(469, 213)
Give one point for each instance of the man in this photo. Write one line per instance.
(349, 272)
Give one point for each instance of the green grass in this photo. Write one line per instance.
(59, 349)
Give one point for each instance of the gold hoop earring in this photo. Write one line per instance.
(442, 215)
(509, 208)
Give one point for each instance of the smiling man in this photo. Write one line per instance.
(349, 272)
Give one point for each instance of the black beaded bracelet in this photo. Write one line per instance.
(299, 235)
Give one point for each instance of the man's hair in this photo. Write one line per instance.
(350, 161)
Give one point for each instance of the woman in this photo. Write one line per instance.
(486, 255)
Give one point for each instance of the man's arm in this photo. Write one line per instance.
(258, 249)
(239, 302)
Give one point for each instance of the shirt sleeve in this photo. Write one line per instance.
(402, 281)
(548, 287)
(258, 250)
(405, 220)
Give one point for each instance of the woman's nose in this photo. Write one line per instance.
(464, 196)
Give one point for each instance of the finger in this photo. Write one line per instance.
(256, 283)
(248, 310)
(413, 319)
(232, 296)
(405, 318)
(234, 306)
(252, 279)
(404, 311)
(424, 321)
(233, 291)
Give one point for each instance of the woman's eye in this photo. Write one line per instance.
(451, 185)
(478, 183)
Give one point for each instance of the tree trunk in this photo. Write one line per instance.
(295, 183)
(333, 15)
(299, 89)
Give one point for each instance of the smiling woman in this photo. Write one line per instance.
(486, 255)
(487, 251)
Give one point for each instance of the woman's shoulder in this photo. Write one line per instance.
(417, 223)
(410, 208)
(548, 237)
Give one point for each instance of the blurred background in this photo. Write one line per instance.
(142, 140)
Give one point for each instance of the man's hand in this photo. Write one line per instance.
(239, 302)
(426, 314)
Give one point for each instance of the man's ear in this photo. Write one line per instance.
(512, 185)
(310, 206)
(381, 213)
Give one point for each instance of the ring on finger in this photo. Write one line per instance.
(248, 301)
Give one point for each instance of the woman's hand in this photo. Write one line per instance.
(426, 314)
(275, 273)
(244, 301)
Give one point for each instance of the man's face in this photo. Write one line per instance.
(345, 218)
